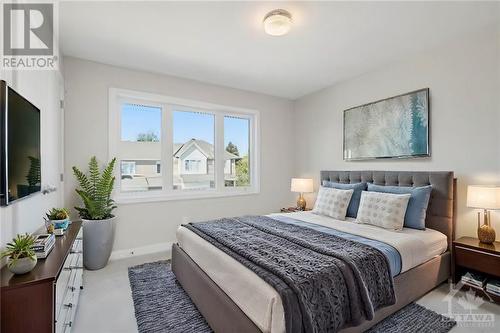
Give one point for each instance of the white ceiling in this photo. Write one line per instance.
(224, 43)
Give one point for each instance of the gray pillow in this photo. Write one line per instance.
(352, 210)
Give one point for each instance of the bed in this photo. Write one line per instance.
(232, 298)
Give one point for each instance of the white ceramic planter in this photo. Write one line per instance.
(98, 239)
(22, 266)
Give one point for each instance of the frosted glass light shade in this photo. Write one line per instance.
(483, 197)
(302, 185)
(277, 22)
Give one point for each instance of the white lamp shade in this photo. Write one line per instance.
(483, 197)
(302, 185)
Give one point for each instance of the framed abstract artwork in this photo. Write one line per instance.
(395, 127)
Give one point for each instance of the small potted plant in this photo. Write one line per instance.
(58, 217)
(96, 213)
(21, 257)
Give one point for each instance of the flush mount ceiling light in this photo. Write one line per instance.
(277, 22)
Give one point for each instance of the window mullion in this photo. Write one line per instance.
(254, 153)
(167, 148)
(219, 151)
(114, 136)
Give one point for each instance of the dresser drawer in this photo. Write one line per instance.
(69, 279)
(62, 287)
(64, 315)
(80, 234)
(65, 322)
(77, 246)
(481, 261)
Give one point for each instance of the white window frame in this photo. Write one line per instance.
(167, 103)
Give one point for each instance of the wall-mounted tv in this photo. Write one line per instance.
(20, 174)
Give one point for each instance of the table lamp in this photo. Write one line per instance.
(486, 198)
(301, 185)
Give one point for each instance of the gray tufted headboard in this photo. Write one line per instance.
(442, 205)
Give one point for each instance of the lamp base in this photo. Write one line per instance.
(486, 234)
(301, 203)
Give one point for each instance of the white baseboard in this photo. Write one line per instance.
(142, 250)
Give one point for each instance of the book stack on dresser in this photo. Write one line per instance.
(44, 243)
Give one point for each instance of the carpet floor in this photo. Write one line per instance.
(161, 305)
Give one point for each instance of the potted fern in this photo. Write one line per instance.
(21, 257)
(96, 213)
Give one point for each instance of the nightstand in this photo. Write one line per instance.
(294, 209)
(471, 255)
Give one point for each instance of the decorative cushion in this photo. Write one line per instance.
(352, 210)
(332, 202)
(417, 206)
(384, 210)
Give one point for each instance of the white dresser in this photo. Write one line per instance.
(68, 287)
(49, 293)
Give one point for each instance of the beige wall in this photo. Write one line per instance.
(86, 127)
(464, 82)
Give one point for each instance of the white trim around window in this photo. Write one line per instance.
(117, 97)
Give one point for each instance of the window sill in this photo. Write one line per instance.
(126, 199)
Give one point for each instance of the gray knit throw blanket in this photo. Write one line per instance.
(325, 282)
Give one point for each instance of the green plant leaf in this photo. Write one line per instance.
(95, 191)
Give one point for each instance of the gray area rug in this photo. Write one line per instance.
(161, 305)
(414, 318)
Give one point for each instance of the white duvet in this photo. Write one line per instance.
(260, 302)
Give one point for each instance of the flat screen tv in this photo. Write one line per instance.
(19, 146)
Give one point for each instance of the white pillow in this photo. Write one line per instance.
(386, 210)
(332, 202)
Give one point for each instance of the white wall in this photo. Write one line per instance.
(43, 89)
(86, 129)
(464, 82)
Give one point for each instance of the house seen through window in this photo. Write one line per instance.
(194, 154)
(141, 147)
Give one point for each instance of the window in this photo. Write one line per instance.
(237, 154)
(128, 168)
(194, 153)
(140, 146)
(140, 123)
(192, 166)
(169, 148)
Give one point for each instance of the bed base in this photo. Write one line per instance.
(223, 315)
